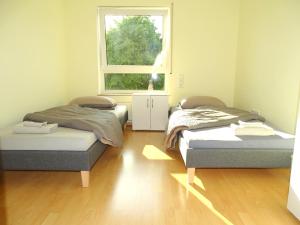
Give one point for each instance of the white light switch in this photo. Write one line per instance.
(180, 81)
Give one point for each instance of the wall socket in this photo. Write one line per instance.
(180, 81)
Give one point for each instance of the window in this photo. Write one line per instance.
(134, 48)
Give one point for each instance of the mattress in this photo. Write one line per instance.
(224, 137)
(66, 139)
(52, 160)
(121, 112)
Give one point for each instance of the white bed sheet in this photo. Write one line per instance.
(224, 137)
(65, 139)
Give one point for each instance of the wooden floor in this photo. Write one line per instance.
(141, 184)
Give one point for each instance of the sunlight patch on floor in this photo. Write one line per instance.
(128, 160)
(153, 153)
(182, 179)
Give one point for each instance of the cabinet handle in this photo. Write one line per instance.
(152, 103)
(147, 102)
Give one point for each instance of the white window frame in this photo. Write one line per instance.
(103, 67)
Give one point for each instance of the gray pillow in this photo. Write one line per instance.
(94, 102)
(104, 107)
(195, 101)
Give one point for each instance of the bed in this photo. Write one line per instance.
(66, 149)
(217, 146)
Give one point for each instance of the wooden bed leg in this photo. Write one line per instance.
(85, 178)
(190, 175)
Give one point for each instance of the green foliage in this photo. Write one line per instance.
(118, 81)
(134, 41)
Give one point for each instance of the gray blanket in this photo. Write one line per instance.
(204, 117)
(104, 124)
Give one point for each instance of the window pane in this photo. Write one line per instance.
(133, 81)
(133, 40)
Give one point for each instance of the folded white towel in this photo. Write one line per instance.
(251, 124)
(46, 129)
(33, 124)
(259, 130)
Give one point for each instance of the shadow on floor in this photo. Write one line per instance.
(2, 196)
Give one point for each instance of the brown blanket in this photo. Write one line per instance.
(104, 124)
(204, 117)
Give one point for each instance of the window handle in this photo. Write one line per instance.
(152, 103)
(147, 102)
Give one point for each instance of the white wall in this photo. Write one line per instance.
(244, 52)
(32, 57)
(268, 66)
(204, 46)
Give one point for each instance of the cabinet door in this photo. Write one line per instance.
(159, 112)
(140, 112)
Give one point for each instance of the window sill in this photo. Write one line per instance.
(131, 93)
(115, 94)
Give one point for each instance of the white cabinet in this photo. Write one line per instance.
(149, 111)
(141, 112)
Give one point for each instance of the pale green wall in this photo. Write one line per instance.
(32, 62)
(204, 46)
(244, 52)
(268, 59)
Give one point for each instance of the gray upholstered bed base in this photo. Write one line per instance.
(235, 158)
(52, 160)
(232, 158)
(81, 161)
(58, 160)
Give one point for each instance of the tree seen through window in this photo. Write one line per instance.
(132, 40)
